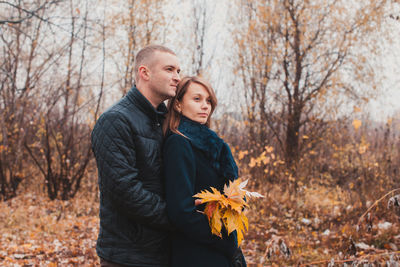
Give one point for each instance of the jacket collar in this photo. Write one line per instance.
(136, 97)
(206, 140)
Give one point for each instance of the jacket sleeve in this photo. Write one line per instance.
(119, 182)
(180, 175)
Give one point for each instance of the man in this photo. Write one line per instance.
(126, 142)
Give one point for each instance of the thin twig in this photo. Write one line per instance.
(350, 260)
(376, 202)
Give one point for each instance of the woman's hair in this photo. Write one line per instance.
(174, 116)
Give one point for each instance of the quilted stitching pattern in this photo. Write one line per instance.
(126, 141)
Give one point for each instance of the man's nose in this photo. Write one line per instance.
(177, 77)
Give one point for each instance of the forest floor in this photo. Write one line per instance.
(317, 228)
(35, 231)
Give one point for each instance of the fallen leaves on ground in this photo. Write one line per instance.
(38, 232)
(314, 228)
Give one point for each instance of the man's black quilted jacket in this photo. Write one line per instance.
(126, 142)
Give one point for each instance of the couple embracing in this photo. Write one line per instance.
(151, 161)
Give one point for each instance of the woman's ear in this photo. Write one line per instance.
(178, 106)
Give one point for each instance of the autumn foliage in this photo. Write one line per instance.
(302, 72)
(226, 209)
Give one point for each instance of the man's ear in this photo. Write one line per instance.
(144, 73)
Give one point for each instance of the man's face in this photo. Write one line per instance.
(164, 75)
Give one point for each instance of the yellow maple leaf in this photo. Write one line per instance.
(207, 196)
(245, 221)
(215, 221)
(232, 220)
(233, 190)
(236, 221)
(235, 195)
(242, 230)
(227, 209)
(236, 205)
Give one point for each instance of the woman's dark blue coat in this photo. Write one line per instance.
(191, 166)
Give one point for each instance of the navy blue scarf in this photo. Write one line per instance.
(215, 149)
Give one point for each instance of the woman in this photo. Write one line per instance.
(195, 158)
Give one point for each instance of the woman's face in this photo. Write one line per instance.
(196, 103)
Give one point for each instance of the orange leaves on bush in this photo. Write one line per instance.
(357, 124)
(227, 209)
(243, 153)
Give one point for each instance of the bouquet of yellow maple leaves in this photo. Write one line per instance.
(227, 208)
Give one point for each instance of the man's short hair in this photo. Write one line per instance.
(146, 52)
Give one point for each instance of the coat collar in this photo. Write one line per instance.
(206, 140)
(136, 97)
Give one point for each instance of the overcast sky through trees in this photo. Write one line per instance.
(218, 43)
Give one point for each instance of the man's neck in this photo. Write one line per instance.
(146, 92)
